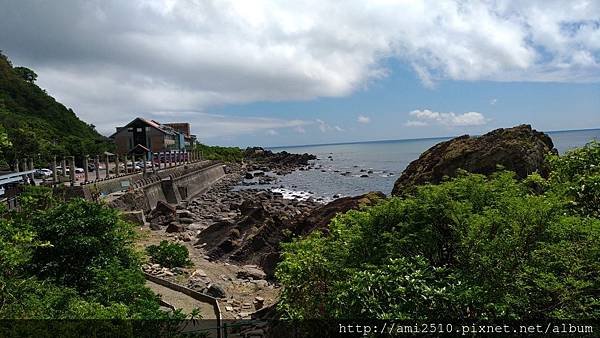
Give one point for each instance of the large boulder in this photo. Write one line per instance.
(519, 149)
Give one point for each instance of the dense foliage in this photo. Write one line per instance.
(226, 154)
(576, 175)
(70, 260)
(36, 124)
(474, 247)
(169, 254)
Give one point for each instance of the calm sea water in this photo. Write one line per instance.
(386, 160)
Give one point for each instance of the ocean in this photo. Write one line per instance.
(381, 161)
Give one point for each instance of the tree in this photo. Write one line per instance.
(26, 74)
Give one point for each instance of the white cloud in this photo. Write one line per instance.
(325, 127)
(300, 130)
(213, 125)
(413, 123)
(363, 119)
(110, 58)
(426, 117)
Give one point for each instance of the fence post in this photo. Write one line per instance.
(24, 165)
(54, 175)
(152, 162)
(144, 170)
(97, 166)
(86, 160)
(72, 170)
(64, 167)
(106, 163)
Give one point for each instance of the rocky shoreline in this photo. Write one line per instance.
(235, 234)
(220, 226)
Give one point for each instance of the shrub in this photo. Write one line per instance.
(576, 175)
(169, 254)
(70, 260)
(226, 154)
(473, 247)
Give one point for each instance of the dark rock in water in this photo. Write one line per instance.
(336, 196)
(249, 176)
(216, 291)
(370, 172)
(364, 175)
(282, 161)
(519, 149)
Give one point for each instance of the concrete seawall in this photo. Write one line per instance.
(172, 189)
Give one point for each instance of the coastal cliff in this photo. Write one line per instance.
(520, 149)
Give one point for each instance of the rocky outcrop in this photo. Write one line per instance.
(519, 149)
(281, 162)
(255, 236)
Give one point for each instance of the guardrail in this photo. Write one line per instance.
(14, 177)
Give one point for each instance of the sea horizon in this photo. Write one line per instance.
(412, 139)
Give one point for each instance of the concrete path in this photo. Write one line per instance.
(182, 301)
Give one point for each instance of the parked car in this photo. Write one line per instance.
(42, 173)
(59, 169)
(79, 170)
(130, 166)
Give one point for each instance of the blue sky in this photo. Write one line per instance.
(387, 103)
(265, 72)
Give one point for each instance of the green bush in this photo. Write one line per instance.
(70, 260)
(576, 175)
(226, 154)
(169, 254)
(474, 247)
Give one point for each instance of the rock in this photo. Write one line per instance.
(249, 271)
(259, 302)
(186, 220)
(199, 272)
(163, 208)
(185, 213)
(216, 290)
(155, 226)
(519, 149)
(364, 175)
(136, 217)
(175, 227)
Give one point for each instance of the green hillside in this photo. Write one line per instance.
(33, 123)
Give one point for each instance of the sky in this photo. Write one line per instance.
(306, 72)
